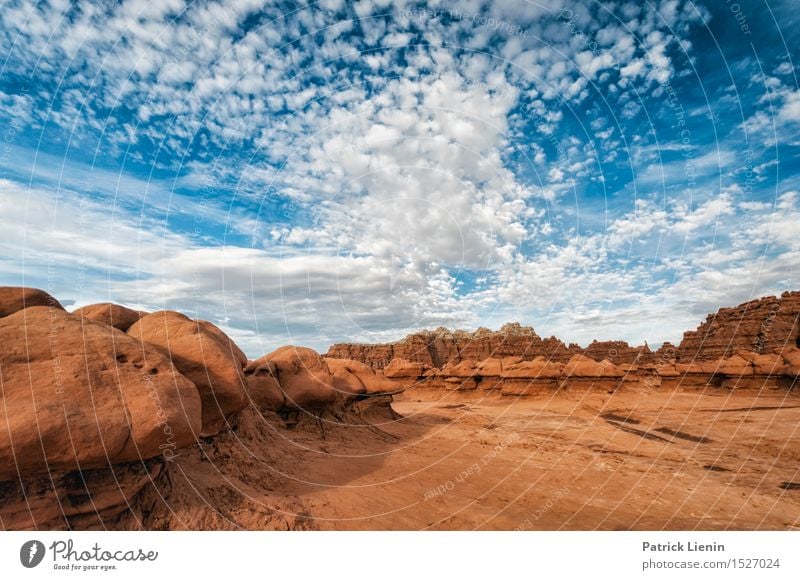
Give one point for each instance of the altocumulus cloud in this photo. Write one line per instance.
(315, 172)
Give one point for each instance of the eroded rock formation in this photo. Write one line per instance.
(766, 325)
(16, 298)
(439, 347)
(97, 416)
(119, 317)
(205, 355)
(762, 326)
(81, 395)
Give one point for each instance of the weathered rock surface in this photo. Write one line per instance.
(98, 415)
(617, 351)
(305, 380)
(16, 298)
(81, 395)
(439, 347)
(742, 347)
(119, 317)
(401, 368)
(263, 389)
(353, 377)
(205, 355)
(79, 500)
(763, 326)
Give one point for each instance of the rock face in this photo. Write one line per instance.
(353, 377)
(401, 368)
(15, 298)
(305, 380)
(439, 347)
(753, 345)
(203, 354)
(263, 389)
(763, 326)
(94, 415)
(119, 317)
(515, 376)
(85, 395)
(618, 351)
(77, 500)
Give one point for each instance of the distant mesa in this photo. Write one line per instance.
(766, 325)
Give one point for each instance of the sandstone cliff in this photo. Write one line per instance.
(762, 326)
(765, 325)
(439, 347)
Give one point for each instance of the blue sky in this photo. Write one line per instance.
(310, 173)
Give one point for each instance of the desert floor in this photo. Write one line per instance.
(579, 461)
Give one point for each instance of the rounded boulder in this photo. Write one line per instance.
(81, 395)
(119, 317)
(304, 377)
(203, 354)
(15, 298)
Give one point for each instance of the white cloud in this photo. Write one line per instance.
(385, 171)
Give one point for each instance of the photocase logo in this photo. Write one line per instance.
(31, 553)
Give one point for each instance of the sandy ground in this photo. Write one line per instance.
(584, 461)
(628, 461)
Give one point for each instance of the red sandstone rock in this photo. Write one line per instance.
(763, 326)
(463, 369)
(764, 364)
(205, 355)
(401, 368)
(263, 389)
(74, 501)
(440, 347)
(119, 317)
(584, 367)
(490, 367)
(15, 298)
(667, 370)
(539, 368)
(617, 351)
(733, 366)
(791, 357)
(306, 381)
(79, 395)
(357, 378)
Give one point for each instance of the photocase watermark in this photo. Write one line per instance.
(749, 173)
(31, 553)
(684, 134)
(66, 556)
(15, 125)
(546, 507)
(473, 469)
(169, 446)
